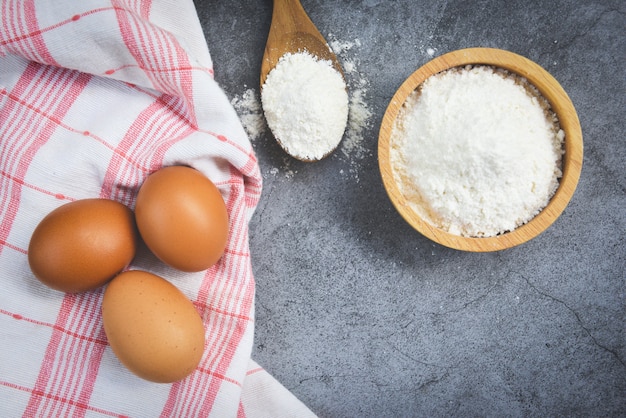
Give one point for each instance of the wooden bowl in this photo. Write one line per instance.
(561, 105)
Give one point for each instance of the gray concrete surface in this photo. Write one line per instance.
(360, 316)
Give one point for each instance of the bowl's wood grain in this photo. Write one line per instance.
(561, 105)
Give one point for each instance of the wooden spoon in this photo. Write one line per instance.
(292, 31)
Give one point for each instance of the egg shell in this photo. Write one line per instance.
(83, 244)
(152, 327)
(182, 218)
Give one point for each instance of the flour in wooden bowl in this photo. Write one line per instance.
(476, 151)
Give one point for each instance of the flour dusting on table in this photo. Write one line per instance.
(248, 107)
(359, 118)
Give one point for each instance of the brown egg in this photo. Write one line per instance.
(81, 245)
(182, 218)
(153, 329)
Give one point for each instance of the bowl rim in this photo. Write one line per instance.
(561, 104)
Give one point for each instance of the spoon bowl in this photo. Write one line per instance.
(291, 32)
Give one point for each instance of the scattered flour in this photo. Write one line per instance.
(358, 121)
(476, 151)
(360, 115)
(250, 111)
(339, 47)
(305, 101)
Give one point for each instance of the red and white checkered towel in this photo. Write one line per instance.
(94, 96)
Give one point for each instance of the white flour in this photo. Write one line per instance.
(250, 112)
(475, 153)
(359, 117)
(305, 102)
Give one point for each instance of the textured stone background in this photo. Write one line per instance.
(360, 316)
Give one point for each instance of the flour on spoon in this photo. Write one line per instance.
(305, 102)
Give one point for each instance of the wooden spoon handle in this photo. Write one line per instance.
(293, 31)
(288, 16)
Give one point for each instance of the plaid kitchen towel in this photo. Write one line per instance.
(94, 96)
